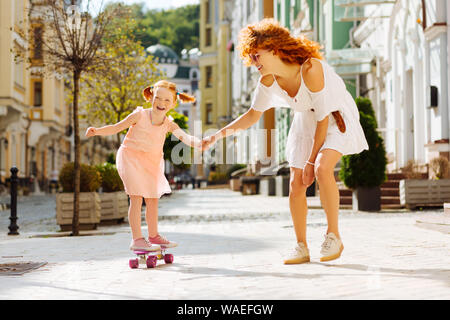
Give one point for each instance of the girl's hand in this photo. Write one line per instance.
(308, 174)
(207, 142)
(91, 131)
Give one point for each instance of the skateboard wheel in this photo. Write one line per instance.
(168, 258)
(134, 263)
(151, 261)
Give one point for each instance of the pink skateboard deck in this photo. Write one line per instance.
(150, 258)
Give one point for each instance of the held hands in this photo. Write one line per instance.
(308, 174)
(91, 131)
(207, 142)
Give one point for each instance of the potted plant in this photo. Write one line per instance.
(365, 172)
(114, 201)
(90, 181)
(415, 191)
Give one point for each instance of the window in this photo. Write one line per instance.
(209, 80)
(19, 70)
(208, 37)
(208, 11)
(209, 113)
(194, 75)
(185, 113)
(57, 94)
(37, 94)
(37, 54)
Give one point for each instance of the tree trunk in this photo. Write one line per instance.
(118, 140)
(76, 193)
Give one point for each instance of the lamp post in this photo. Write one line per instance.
(13, 227)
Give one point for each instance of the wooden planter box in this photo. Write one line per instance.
(282, 186)
(418, 193)
(90, 206)
(267, 186)
(114, 207)
(235, 184)
(250, 185)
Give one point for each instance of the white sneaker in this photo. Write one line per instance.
(299, 255)
(331, 248)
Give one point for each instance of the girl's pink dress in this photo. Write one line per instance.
(140, 160)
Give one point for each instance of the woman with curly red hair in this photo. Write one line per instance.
(325, 126)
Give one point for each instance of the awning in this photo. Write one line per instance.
(349, 62)
(357, 10)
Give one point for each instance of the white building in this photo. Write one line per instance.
(409, 84)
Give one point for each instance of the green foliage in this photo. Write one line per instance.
(111, 181)
(365, 106)
(110, 92)
(111, 158)
(90, 178)
(218, 177)
(176, 28)
(368, 168)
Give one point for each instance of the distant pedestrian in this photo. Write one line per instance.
(140, 160)
(325, 126)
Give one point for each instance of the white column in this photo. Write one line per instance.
(396, 91)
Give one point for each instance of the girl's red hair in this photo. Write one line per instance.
(267, 34)
(184, 97)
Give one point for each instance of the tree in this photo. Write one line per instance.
(368, 168)
(127, 74)
(114, 91)
(69, 41)
(176, 28)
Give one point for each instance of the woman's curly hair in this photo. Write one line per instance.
(268, 34)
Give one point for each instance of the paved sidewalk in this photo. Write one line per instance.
(386, 256)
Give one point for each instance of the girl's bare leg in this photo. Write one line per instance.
(151, 216)
(329, 193)
(297, 204)
(134, 216)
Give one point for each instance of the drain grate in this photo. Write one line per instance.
(17, 269)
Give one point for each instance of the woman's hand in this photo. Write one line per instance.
(91, 131)
(308, 174)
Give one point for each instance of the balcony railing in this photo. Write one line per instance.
(359, 10)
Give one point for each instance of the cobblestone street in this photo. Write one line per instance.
(230, 247)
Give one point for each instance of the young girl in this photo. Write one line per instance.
(140, 161)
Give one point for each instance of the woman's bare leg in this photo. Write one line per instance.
(151, 216)
(297, 204)
(134, 216)
(329, 192)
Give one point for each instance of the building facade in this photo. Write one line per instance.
(33, 116)
(408, 83)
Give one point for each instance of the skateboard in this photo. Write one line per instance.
(150, 258)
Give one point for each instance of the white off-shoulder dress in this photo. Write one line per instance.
(311, 107)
